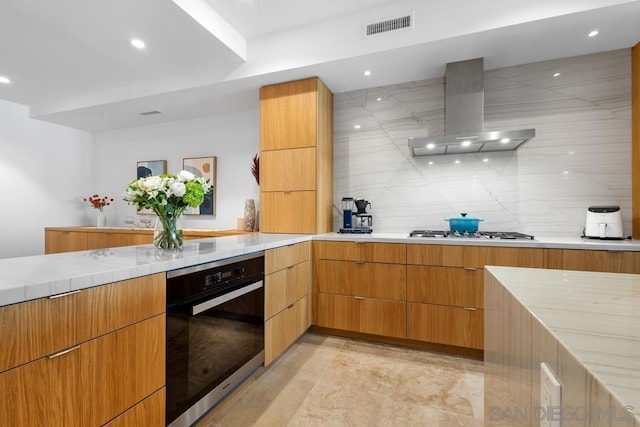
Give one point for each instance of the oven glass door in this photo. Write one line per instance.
(205, 348)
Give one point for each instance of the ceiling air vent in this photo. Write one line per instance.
(389, 25)
(150, 113)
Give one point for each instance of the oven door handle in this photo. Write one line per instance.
(199, 308)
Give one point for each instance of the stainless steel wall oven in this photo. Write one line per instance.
(215, 333)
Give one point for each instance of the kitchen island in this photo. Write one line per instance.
(583, 325)
(91, 326)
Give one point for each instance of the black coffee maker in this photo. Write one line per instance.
(355, 222)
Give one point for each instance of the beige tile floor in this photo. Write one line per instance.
(331, 381)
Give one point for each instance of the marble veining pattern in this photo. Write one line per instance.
(331, 381)
(580, 156)
(595, 316)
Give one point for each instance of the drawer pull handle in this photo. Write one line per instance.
(358, 297)
(470, 308)
(69, 350)
(64, 295)
(470, 268)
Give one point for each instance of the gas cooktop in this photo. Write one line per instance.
(498, 235)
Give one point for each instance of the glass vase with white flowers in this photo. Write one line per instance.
(168, 196)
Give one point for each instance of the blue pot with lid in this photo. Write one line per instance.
(464, 224)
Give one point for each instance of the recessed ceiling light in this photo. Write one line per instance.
(466, 143)
(571, 153)
(137, 43)
(4, 80)
(505, 140)
(556, 74)
(593, 33)
(456, 162)
(378, 99)
(356, 127)
(431, 146)
(431, 163)
(367, 73)
(565, 172)
(485, 160)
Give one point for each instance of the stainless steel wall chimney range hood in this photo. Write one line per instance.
(464, 117)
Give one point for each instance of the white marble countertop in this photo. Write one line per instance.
(595, 316)
(538, 242)
(27, 278)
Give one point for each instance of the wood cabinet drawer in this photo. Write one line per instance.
(284, 328)
(366, 315)
(288, 212)
(374, 280)
(149, 413)
(395, 253)
(605, 261)
(445, 325)
(456, 286)
(37, 328)
(286, 256)
(285, 287)
(288, 170)
(474, 256)
(91, 383)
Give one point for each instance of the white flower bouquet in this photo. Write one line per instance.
(168, 196)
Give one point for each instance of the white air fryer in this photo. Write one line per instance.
(603, 222)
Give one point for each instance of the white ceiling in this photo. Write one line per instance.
(70, 61)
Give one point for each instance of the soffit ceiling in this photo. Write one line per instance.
(71, 63)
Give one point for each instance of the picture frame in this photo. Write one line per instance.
(146, 168)
(206, 168)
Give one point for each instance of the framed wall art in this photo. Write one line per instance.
(151, 167)
(206, 168)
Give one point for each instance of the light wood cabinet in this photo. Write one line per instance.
(474, 256)
(70, 239)
(589, 260)
(442, 324)
(360, 287)
(359, 314)
(296, 157)
(84, 357)
(288, 170)
(357, 278)
(284, 328)
(460, 287)
(391, 253)
(288, 212)
(287, 306)
(445, 289)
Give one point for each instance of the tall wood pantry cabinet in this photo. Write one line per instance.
(296, 157)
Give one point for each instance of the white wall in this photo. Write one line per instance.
(581, 155)
(232, 138)
(45, 171)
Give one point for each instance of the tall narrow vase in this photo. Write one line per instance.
(168, 232)
(101, 220)
(249, 215)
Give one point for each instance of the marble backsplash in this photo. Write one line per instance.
(581, 155)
